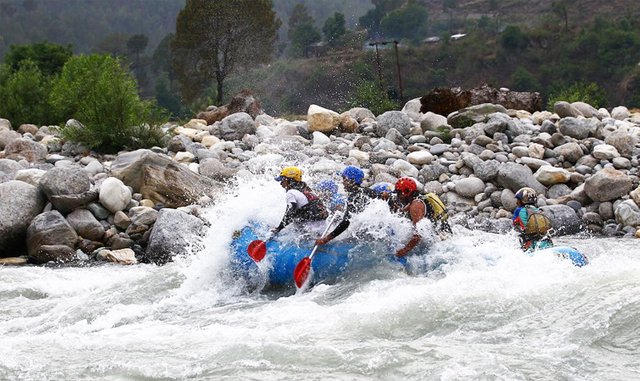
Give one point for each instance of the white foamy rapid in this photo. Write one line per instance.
(483, 311)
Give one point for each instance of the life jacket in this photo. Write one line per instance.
(435, 210)
(537, 223)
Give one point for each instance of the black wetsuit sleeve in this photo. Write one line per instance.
(342, 226)
(288, 217)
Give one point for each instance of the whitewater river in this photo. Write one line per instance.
(488, 312)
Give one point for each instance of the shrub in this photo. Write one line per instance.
(369, 95)
(97, 91)
(24, 95)
(589, 93)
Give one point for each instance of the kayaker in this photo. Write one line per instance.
(529, 221)
(302, 204)
(357, 199)
(411, 203)
(328, 192)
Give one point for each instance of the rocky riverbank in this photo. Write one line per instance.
(61, 202)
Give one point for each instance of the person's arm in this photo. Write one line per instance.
(288, 214)
(342, 226)
(416, 212)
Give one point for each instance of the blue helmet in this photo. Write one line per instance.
(383, 187)
(353, 173)
(327, 186)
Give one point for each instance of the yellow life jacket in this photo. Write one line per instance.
(537, 224)
(437, 206)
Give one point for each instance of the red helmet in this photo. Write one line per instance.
(406, 186)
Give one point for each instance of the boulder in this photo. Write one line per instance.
(607, 184)
(27, 149)
(114, 195)
(548, 175)
(235, 126)
(67, 188)
(444, 101)
(515, 176)
(563, 219)
(50, 229)
(471, 115)
(174, 233)
(241, 102)
(8, 169)
(393, 120)
(628, 214)
(469, 187)
(85, 224)
(162, 180)
(322, 119)
(20, 203)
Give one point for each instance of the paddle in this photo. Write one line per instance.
(257, 249)
(301, 272)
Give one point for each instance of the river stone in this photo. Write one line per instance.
(85, 224)
(322, 119)
(160, 179)
(623, 141)
(564, 219)
(627, 213)
(393, 119)
(50, 229)
(515, 176)
(30, 150)
(174, 233)
(20, 203)
(548, 175)
(469, 187)
(8, 169)
(607, 184)
(605, 152)
(235, 126)
(571, 152)
(114, 195)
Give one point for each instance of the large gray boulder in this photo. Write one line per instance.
(393, 119)
(47, 237)
(235, 126)
(607, 184)
(8, 169)
(85, 224)
(564, 219)
(19, 204)
(27, 149)
(515, 176)
(67, 188)
(174, 233)
(162, 180)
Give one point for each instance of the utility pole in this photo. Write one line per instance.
(395, 42)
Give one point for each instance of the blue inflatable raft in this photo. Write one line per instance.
(565, 252)
(286, 251)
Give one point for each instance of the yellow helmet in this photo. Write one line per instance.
(293, 173)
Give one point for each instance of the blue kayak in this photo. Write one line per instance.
(565, 252)
(284, 253)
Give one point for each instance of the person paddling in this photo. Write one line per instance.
(302, 204)
(529, 221)
(415, 208)
(357, 199)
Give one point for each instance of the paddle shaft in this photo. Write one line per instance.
(326, 230)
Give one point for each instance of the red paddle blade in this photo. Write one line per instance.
(301, 272)
(257, 249)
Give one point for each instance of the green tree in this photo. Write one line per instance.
(215, 37)
(513, 38)
(407, 22)
(523, 80)
(24, 95)
(98, 92)
(369, 95)
(50, 58)
(302, 31)
(334, 28)
(136, 44)
(372, 19)
(561, 9)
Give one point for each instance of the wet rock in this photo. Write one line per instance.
(564, 219)
(174, 233)
(85, 224)
(607, 184)
(19, 204)
(50, 229)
